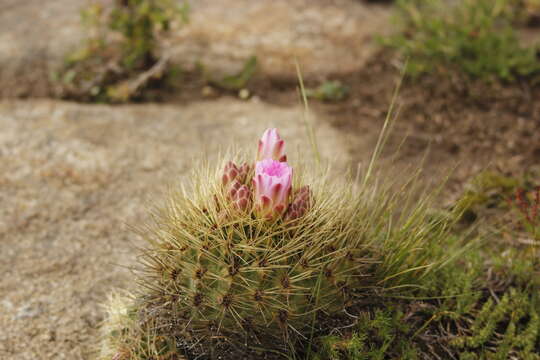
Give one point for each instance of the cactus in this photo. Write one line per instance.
(251, 257)
(258, 274)
(228, 273)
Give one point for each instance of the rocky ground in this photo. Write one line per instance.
(73, 177)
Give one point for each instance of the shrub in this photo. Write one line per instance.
(474, 36)
(121, 55)
(329, 91)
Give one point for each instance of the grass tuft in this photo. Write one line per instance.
(476, 37)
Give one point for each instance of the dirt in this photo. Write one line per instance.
(453, 124)
(74, 176)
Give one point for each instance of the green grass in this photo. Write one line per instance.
(329, 91)
(476, 37)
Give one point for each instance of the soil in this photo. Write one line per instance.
(74, 176)
(450, 122)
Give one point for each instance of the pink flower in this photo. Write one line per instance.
(272, 187)
(271, 146)
(300, 205)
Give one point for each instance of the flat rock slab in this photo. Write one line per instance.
(327, 37)
(72, 176)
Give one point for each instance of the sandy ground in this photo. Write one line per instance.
(72, 176)
(34, 38)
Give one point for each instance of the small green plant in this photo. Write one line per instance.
(486, 191)
(502, 328)
(476, 37)
(460, 312)
(329, 91)
(380, 334)
(238, 81)
(121, 55)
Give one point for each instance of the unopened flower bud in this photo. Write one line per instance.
(233, 172)
(271, 146)
(300, 204)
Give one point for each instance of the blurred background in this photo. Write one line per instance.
(104, 103)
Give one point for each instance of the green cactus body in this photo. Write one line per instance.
(227, 273)
(249, 260)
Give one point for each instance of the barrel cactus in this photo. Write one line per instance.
(254, 253)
